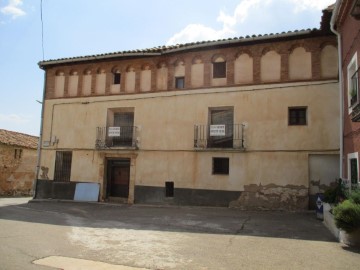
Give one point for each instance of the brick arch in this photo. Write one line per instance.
(59, 72)
(100, 70)
(87, 71)
(217, 56)
(115, 69)
(73, 72)
(161, 64)
(196, 59)
(269, 49)
(130, 68)
(243, 51)
(299, 45)
(146, 66)
(178, 61)
(328, 43)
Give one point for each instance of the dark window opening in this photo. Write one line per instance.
(353, 170)
(169, 189)
(219, 70)
(63, 166)
(220, 166)
(117, 78)
(180, 82)
(297, 116)
(124, 120)
(18, 153)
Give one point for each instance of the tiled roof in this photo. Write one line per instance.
(18, 139)
(179, 47)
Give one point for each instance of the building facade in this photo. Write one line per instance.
(246, 122)
(18, 155)
(346, 22)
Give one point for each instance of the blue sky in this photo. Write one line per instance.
(83, 27)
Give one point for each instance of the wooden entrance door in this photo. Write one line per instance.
(119, 178)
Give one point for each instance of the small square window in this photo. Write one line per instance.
(297, 116)
(117, 78)
(219, 70)
(180, 82)
(220, 166)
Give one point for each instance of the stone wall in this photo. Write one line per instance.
(17, 170)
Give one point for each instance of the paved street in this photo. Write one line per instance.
(69, 236)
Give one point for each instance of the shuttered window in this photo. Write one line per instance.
(63, 166)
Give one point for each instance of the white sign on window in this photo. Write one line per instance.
(217, 130)
(114, 131)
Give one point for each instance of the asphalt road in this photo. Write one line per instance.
(106, 236)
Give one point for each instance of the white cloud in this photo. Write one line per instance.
(196, 32)
(14, 118)
(13, 9)
(246, 10)
(311, 4)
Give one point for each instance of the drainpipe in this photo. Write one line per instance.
(40, 140)
(332, 27)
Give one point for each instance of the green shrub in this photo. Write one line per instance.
(336, 193)
(355, 196)
(347, 216)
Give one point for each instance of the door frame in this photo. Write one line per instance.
(111, 163)
(106, 157)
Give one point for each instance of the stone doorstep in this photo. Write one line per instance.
(66, 263)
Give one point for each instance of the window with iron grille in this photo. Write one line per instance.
(297, 116)
(219, 70)
(63, 166)
(220, 165)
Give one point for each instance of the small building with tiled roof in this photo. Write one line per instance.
(18, 156)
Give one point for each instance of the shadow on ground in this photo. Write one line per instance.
(278, 224)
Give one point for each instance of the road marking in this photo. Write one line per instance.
(66, 263)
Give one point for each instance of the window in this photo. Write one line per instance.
(117, 78)
(169, 189)
(353, 81)
(353, 170)
(221, 127)
(297, 116)
(220, 165)
(63, 166)
(219, 70)
(18, 153)
(180, 82)
(124, 120)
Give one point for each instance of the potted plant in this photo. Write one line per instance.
(347, 218)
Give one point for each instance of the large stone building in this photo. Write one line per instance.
(18, 154)
(346, 23)
(251, 122)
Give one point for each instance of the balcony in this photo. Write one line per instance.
(354, 93)
(116, 137)
(219, 136)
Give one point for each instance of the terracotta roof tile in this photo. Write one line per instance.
(18, 139)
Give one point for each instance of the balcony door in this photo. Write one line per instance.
(221, 127)
(124, 120)
(118, 178)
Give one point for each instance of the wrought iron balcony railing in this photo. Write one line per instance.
(109, 137)
(354, 93)
(219, 136)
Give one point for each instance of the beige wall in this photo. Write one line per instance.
(300, 64)
(244, 69)
(329, 61)
(270, 67)
(276, 153)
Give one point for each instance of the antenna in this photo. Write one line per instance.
(42, 29)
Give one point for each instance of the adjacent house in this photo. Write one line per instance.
(250, 122)
(18, 155)
(346, 24)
